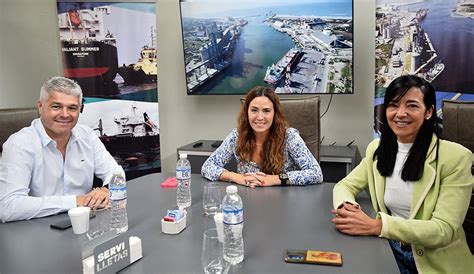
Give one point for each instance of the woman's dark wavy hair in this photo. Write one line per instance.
(386, 153)
(272, 152)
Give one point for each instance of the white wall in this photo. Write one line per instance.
(29, 50)
(29, 54)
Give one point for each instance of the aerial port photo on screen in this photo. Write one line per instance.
(302, 46)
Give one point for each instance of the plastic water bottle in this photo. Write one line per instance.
(118, 203)
(183, 176)
(233, 220)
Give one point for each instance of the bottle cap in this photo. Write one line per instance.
(183, 156)
(231, 189)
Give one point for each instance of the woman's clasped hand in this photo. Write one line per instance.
(255, 179)
(352, 220)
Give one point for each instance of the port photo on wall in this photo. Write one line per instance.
(128, 131)
(431, 39)
(109, 48)
(295, 46)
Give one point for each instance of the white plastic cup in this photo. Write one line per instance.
(79, 219)
(218, 219)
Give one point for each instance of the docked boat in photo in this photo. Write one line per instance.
(421, 14)
(137, 142)
(145, 70)
(277, 71)
(89, 51)
(434, 71)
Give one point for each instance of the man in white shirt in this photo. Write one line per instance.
(48, 167)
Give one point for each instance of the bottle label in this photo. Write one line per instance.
(182, 174)
(233, 216)
(117, 192)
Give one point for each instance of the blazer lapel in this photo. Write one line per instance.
(379, 184)
(423, 186)
(421, 189)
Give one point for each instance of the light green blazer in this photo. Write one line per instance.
(438, 208)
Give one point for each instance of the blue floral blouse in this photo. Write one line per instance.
(300, 165)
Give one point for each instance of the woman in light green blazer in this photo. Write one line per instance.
(420, 186)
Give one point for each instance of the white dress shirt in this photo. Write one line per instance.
(36, 181)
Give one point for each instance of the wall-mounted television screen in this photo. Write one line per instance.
(295, 46)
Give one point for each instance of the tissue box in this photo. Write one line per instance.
(173, 227)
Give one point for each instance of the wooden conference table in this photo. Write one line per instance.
(275, 218)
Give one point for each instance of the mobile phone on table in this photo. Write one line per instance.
(65, 223)
(313, 257)
(61, 224)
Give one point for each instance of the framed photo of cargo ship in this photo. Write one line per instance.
(128, 131)
(295, 46)
(109, 48)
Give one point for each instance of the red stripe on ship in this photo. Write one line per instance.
(84, 72)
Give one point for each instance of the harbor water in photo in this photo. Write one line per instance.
(259, 44)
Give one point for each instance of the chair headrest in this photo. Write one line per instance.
(458, 122)
(14, 119)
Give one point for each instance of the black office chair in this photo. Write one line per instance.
(14, 119)
(458, 122)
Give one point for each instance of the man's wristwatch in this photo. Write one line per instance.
(283, 178)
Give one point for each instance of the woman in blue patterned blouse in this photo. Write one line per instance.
(268, 152)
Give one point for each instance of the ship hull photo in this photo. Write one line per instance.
(131, 76)
(123, 144)
(93, 65)
(133, 152)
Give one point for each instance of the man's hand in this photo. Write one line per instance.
(350, 219)
(97, 198)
